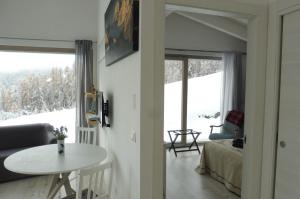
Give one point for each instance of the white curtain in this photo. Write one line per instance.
(228, 80)
(234, 75)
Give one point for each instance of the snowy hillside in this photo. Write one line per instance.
(203, 99)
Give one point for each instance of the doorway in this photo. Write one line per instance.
(204, 80)
(255, 83)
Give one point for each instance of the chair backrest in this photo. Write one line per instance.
(234, 122)
(98, 179)
(28, 135)
(235, 117)
(86, 135)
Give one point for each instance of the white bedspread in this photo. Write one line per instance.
(223, 162)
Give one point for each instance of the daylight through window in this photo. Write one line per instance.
(37, 88)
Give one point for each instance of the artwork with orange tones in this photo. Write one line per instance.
(121, 30)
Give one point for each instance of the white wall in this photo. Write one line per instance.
(48, 20)
(184, 33)
(262, 2)
(120, 83)
(236, 27)
(285, 4)
(138, 171)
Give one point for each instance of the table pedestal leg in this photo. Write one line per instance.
(55, 186)
(67, 185)
(58, 182)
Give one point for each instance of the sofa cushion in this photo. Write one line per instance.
(6, 175)
(7, 152)
(24, 136)
(235, 117)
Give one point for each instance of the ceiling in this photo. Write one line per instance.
(229, 23)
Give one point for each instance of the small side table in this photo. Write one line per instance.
(178, 133)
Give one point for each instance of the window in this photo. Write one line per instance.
(37, 88)
(204, 95)
(173, 96)
(193, 88)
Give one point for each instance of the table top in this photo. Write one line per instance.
(45, 160)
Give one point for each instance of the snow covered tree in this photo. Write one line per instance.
(38, 92)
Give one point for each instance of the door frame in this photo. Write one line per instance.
(183, 94)
(276, 15)
(255, 83)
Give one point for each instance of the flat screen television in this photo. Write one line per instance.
(104, 111)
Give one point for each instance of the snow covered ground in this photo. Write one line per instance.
(64, 117)
(203, 99)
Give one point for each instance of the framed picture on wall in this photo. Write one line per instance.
(121, 30)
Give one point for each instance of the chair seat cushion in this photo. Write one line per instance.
(220, 136)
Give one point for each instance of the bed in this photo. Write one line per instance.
(223, 163)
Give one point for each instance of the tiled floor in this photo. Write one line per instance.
(183, 182)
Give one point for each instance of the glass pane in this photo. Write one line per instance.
(204, 95)
(38, 88)
(173, 95)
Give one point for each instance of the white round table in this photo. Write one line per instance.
(45, 160)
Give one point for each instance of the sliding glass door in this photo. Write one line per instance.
(205, 80)
(173, 96)
(193, 88)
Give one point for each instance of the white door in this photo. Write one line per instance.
(287, 184)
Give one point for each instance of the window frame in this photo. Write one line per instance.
(37, 49)
(29, 49)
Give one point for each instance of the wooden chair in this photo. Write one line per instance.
(84, 135)
(87, 135)
(91, 182)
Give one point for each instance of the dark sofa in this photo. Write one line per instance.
(16, 138)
